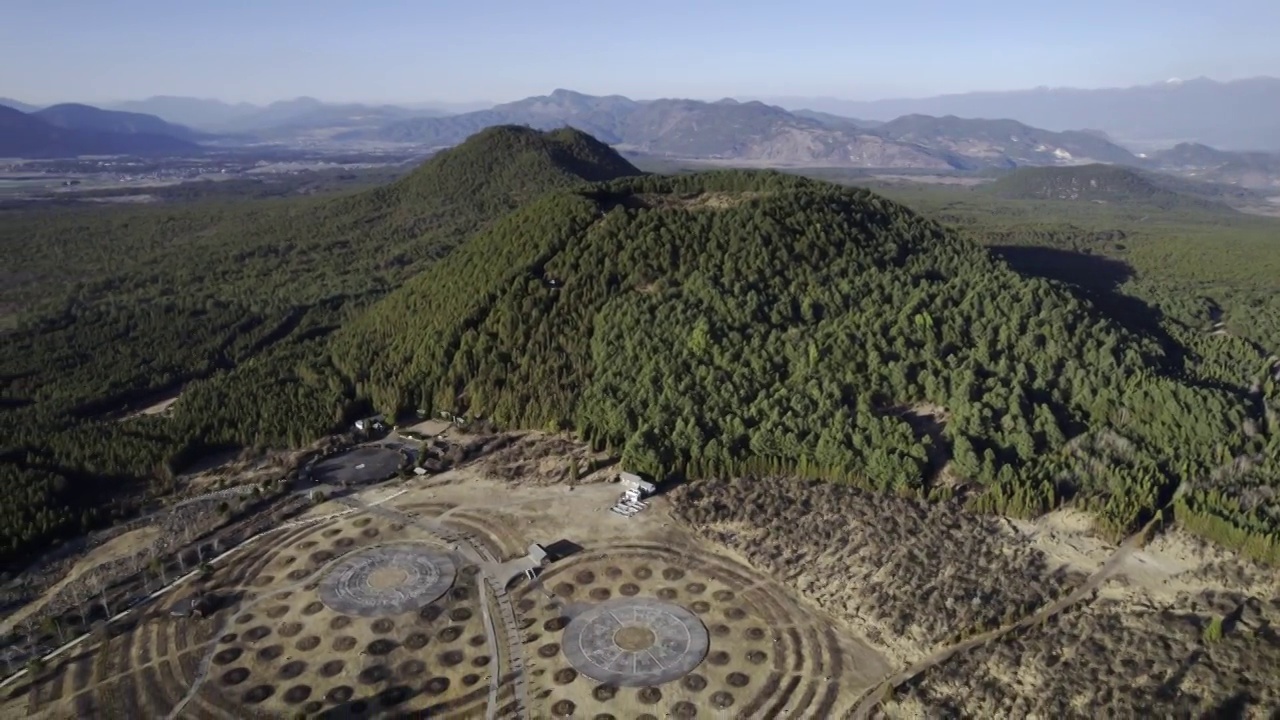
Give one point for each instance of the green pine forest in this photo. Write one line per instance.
(1018, 354)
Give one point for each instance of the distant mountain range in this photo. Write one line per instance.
(1005, 142)
(73, 116)
(753, 132)
(30, 135)
(279, 120)
(726, 131)
(1234, 115)
(192, 112)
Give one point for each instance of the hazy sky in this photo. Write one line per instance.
(460, 50)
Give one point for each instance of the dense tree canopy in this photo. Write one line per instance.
(729, 322)
(714, 323)
(109, 309)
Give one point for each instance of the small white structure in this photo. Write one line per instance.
(537, 553)
(635, 490)
(634, 485)
(376, 422)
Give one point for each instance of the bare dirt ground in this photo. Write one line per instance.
(274, 647)
(811, 594)
(118, 548)
(156, 408)
(429, 428)
(1171, 565)
(917, 579)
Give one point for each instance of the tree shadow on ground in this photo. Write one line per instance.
(1235, 707)
(382, 704)
(389, 702)
(1172, 685)
(1096, 279)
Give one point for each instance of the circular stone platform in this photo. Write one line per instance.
(388, 580)
(356, 467)
(635, 642)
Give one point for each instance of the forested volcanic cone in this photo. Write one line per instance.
(753, 322)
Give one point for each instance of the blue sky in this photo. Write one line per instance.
(450, 50)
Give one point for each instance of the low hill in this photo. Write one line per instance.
(73, 116)
(1193, 155)
(1098, 184)
(1257, 170)
(499, 168)
(734, 322)
(1004, 141)
(29, 136)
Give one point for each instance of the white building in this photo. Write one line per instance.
(537, 553)
(635, 486)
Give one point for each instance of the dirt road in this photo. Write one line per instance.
(874, 696)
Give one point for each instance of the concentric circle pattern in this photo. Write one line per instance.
(388, 580)
(635, 642)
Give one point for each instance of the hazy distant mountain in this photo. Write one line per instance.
(29, 136)
(1101, 184)
(450, 108)
(1236, 115)
(725, 130)
(598, 116)
(1255, 170)
(282, 118)
(16, 105)
(757, 133)
(761, 133)
(831, 120)
(1004, 141)
(199, 113)
(74, 116)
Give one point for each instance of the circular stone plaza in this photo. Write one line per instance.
(422, 607)
(635, 642)
(623, 642)
(388, 580)
(628, 642)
